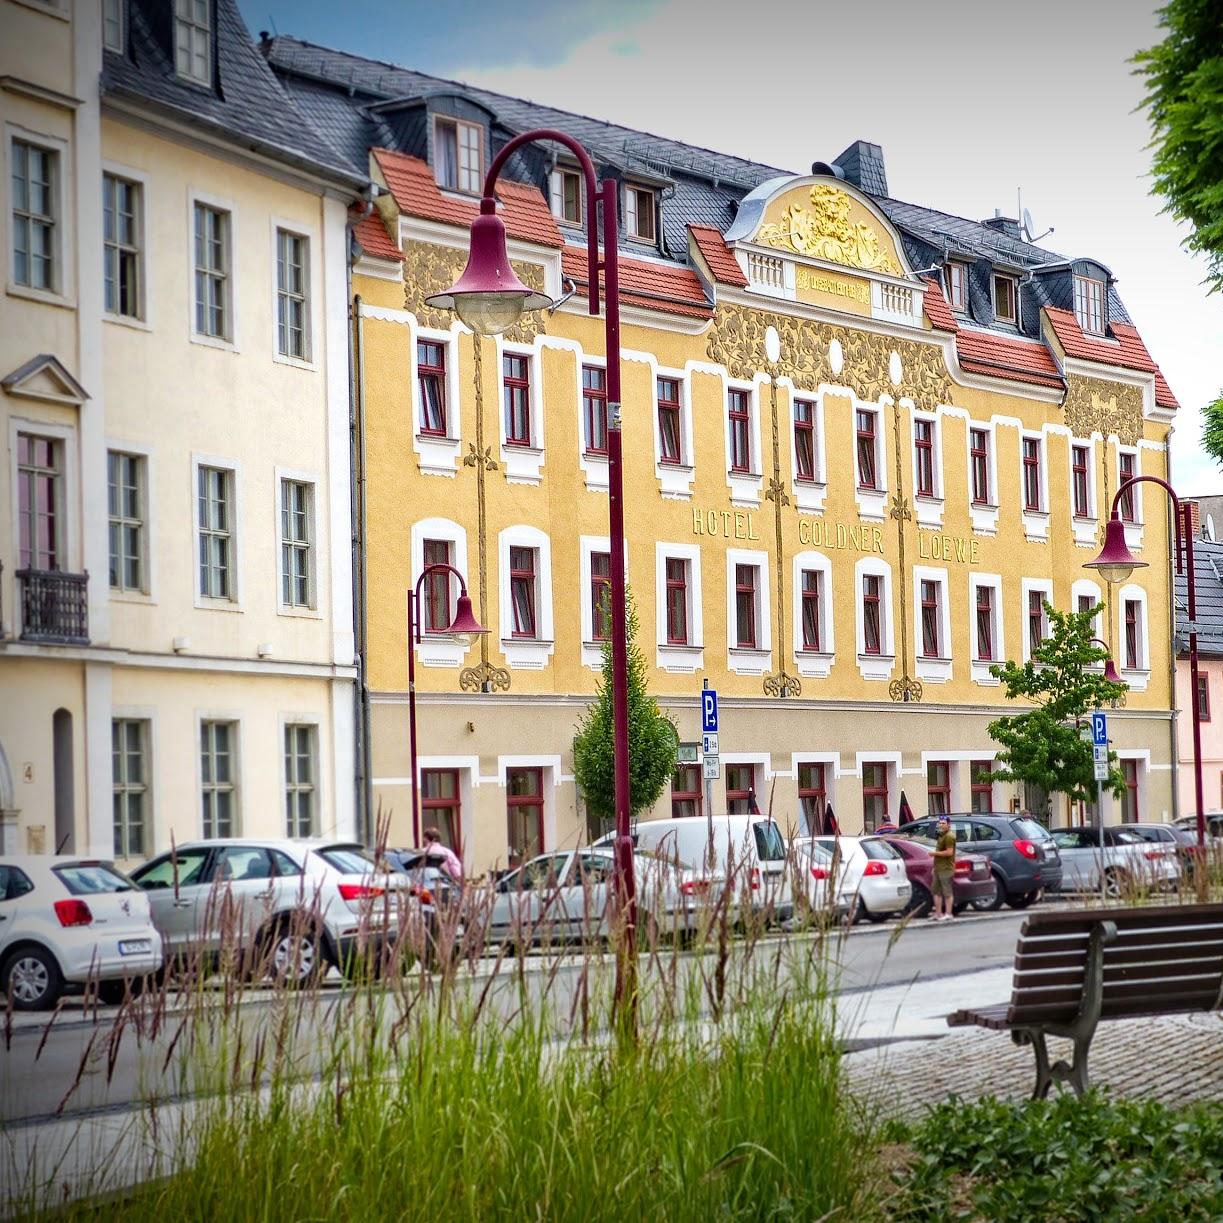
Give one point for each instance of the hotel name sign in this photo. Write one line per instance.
(836, 536)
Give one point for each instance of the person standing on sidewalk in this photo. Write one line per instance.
(944, 870)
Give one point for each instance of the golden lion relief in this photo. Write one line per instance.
(827, 232)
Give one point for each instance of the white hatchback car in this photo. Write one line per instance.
(66, 922)
(868, 876)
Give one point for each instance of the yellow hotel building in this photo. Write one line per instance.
(864, 442)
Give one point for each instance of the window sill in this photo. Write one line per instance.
(132, 596)
(809, 496)
(984, 517)
(872, 503)
(1036, 525)
(748, 660)
(876, 666)
(206, 603)
(523, 463)
(127, 320)
(675, 479)
(304, 363)
(981, 673)
(208, 341)
(744, 488)
(929, 509)
(1136, 677)
(299, 613)
(679, 659)
(437, 454)
(933, 670)
(440, 650)
(814, 664)
(527, 653)
(45, 296)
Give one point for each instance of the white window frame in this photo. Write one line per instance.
(815, 664)
(439, 456)
(1035, 522)
(190, 24)
(875, 666)
(592, 651)
(136, 248)
(289, 722)
(556, 194)
(872, 502)
(70, 486)
(467, 181)
(309, 296)
(229, 342)
(439, 649)
(951, 266)
(985, 515)
(310, 479)
(1084, 528)
(1137, 677)
(234, 601)
(551, 777)
(980, 667)
(832, 772)
(1134, 531)
(892, 761)
(142, 468)
(929, 507)
(1082, 315)
(1080, 588)
(934, 670)
(113, 15)
(633, 213)
(234, 719)
(529, 654)
(149, 501)
(675, 479)
(594, 466)
(808, 494)
(523, 464)
(679, 659)
(744, 660)
(1026, 587)
(994, 277)
(62, 190)
(146, 789)
(745, 487)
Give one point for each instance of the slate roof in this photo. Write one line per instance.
(247, 105)
(1208, 569)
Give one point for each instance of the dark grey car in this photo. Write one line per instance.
(1021, 853)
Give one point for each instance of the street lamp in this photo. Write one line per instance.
(464, 628)
(1110, 668)
(1116, 562)
(489, 297)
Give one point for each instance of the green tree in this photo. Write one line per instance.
(1043, 745)
(652, 735)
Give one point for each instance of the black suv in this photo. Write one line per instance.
(1021, 853)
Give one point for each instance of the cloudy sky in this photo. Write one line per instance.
(971, 100)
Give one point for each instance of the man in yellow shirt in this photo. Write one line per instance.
(944, 870)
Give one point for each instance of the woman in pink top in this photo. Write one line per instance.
(435, 848)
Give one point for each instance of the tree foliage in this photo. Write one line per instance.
(1212, 430)
(1043, 745)
(653, 738)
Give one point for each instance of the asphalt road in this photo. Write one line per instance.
(78, 1062)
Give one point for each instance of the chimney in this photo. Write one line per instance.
(1195, 519)
(1004, 225)
(862, 165)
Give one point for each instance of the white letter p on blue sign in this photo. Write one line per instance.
(709, 711)
(1099, 728)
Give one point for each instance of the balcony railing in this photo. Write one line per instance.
(54, 606)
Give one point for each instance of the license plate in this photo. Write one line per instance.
(135, 946)
(902, 891)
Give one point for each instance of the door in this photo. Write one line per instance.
(175, 885)
(14, 884)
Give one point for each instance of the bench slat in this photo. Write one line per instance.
(1155, 915)
(1123, 955)
(1208, 966)
(1144, 1001)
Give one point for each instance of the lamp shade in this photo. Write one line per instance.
(465, 628)
(1111, 673)
(488, 297)
(1116, 562)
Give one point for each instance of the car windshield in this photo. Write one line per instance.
(82, 878)
(819, 850)
(348, 859)
(770, 845)
(874, 848)
(1030, 830)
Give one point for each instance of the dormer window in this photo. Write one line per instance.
(112, 25)
(193, 40)
(1006, 299)
(1089, 304)
(956, 279)
(458, 158)
(639, 214)
(566, 192)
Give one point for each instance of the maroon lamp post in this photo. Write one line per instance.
(463, 628)
(1116, 562)
(489, 297)
(1110, 668)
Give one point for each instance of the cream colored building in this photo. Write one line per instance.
(177, 655)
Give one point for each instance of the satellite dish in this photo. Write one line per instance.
(1028, 227)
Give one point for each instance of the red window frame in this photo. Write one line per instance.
(738, 794)
(978, 454)
(812, 609)
(812, 795)
(923, 444)
(867, 451)
(522, 577)
(1087, 603)
(872, 613)
(979, 788)
(1078, 479)
(436, 591)
(452, 825)
(527, 802)
(1036, 620)
(1204, 698)
(1031, 473)
(1129, 800)
(1125, 471)
(874, 795)
(670, 413)
(745, 607)
(938, 787)
(431, 372)
(1132, 643)
(677, 600)
(804, 440)
(600, 596)
(931, 629)
(738, 415)
(985, 623)
(686, 790)
(594, 408)
(516, 393)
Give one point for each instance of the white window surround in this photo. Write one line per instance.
(149, 200)
(1086, 528)
(594, 466)
(592, 651)
(808, 494)
(978, 666)
(145, 454)
(959, 774)
(1136, 677)
(893, 762)
(1026, 587)
(1134, 531)
(529, 653)
(675, 479)
(440, 456)
(318, 576)
(523, 464)
(234, 603)
(812, 663)
(551, 779)
(468, 769)
(745, 487)
(314, 290)
(679, 659)
(234, 718)
(742, 660)
(148, 714)
(832, 772)
(556, 197)
(232, 344)
(932, 670)
(1085, 587)
(928, 509)
(984, 516)
(322, 776)
(1112, 806)
(64, 189)
(439, 650)
(872, 502)
(875, 666)
(1035, 522)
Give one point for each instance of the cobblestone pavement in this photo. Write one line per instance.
(1177, 1059)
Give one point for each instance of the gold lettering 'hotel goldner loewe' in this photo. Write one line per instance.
(865, 442)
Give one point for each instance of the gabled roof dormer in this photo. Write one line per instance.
(45, 378)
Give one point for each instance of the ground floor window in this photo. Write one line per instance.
(982, 785)
(874, 795)
(938, 787)
(300, 781)
(524, 813)
(740, 788)
(812, 797)
(1129, 800)
(440, 805)
(686, 790)
(218, 778)
(129, 750)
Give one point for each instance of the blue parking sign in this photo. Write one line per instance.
(1099, 729)
(709, 711)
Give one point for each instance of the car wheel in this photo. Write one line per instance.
(920, 902)
(296, 957)
(32, 980)
(113, 992)
(1022, 902)
(990, 904)
(1114, 883)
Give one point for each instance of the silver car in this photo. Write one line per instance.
(289, 909)
(1127, 860)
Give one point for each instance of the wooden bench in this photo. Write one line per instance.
(1074, 969)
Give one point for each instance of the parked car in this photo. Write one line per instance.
(439, 894)
(1127, 860)
(66, 922)
(1183, 840)
(1214, 825)
(749, 851)
(1022, 856)
(971, 880)
(290, 909)
(566, 897)
(868, 874)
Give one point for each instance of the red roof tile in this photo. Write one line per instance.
(373, 238)
(722, 263)
(1128, 351)
(937, 310)
(1002, 357)
(523, 209)
(652, 286)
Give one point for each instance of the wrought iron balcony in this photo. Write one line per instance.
(54, 606)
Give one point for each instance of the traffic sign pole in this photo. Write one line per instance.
(709, 726)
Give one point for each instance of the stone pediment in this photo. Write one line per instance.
(45, 378)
